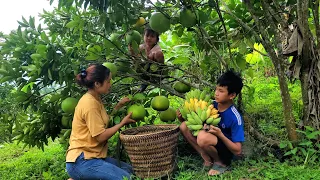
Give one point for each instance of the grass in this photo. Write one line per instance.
(17, 163)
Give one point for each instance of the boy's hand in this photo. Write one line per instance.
(215, 131)
(179, 116)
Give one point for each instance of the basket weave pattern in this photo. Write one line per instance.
(152, 149)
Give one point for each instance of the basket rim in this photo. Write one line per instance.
(174, 127)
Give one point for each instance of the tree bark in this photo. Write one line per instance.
(279, 65)
(310, 66)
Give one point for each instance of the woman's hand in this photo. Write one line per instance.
(122, 102)
(127, 120)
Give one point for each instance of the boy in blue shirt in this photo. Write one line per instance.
(218, 145)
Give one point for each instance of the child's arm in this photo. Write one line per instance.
(234, 147)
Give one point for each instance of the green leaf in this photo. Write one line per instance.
(241, 62)
(23, 24)
(27, 87)
(44, 37)
(92, 57)
(294, 151)
(31, 67)
(313, 135)
(35, 56)
(31, 22)
(242, 48)
(135, 47)
(283, 145)
(72, 24)
(306, 143)
(181, 60)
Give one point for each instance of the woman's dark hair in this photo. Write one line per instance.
(150, 32)
(94, 73)
(232, 81)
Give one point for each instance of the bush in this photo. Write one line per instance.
(19, 163)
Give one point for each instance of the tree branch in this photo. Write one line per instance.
(263, 54)
(244, 25)
(224, 27)
(207, 39)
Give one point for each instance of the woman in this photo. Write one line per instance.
(87, 154)
(151, 50)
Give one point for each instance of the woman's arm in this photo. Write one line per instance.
(109, 132)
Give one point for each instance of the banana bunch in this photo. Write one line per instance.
(197, 110)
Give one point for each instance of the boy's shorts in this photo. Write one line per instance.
(224, 153)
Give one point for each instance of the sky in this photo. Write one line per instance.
(12, 10)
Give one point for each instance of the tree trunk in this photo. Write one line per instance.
(278, 62)
(310, 69)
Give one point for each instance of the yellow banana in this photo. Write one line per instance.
(208, 112)
(191, 101)
(203, 104)
(214, 111)
(215, 116)
(211, 106)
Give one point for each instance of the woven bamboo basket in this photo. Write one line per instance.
(152, 149)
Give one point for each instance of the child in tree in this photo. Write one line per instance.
(151, 50)
(218, 145)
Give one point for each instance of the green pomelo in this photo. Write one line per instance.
(133, 36)
(114, 38)
(181, 87)
(168, 115)
(69, 104)
(112, 67)
(160, 103)
(65, 121)
(138, 112)
(159, 22)
(187, 18)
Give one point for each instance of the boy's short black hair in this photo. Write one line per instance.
(232, 81)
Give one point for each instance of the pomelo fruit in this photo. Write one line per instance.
(65, 121)
(114, 38)
(139, 97)
(160, 103)
(140, 22)
(133, 36)
(159, 22)
(187, 18)
(112, 67)
(69, 104)
(181, 87)
(168, 115)
(138, 112)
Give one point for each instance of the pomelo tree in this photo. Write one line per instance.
(200, 39)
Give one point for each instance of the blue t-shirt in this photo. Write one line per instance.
(231, 123)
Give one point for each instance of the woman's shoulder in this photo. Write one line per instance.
(88, 101)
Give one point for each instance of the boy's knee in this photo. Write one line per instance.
(202, 139)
